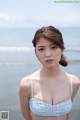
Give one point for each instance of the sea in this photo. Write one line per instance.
(18, 59)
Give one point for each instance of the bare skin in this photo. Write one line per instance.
(50, 83)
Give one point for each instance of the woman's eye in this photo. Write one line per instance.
(41, 49)
(54, 47)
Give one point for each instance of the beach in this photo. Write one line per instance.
(17, 59)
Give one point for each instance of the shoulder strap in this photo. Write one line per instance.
(31, 84)
(71, 84)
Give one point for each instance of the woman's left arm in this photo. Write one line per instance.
(75, 86)
(68, 116)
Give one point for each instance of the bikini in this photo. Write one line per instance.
(41, 108)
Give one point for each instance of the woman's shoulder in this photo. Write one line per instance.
(75, 79)
(25, 85)
(25, 81)
(75, 85)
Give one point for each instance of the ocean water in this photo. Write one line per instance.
(15, 42)
(17, 59)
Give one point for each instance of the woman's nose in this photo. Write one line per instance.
(47, 53)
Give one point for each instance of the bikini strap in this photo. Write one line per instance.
(31, 85)
(71, 84)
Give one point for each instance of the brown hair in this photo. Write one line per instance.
(53, 35)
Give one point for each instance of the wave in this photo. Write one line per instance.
(15, 49)
(12, 49)
(73, 48)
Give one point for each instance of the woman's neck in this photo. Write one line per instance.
(49, 73)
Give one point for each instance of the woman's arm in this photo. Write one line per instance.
(68, 116)
(24, 95)
(75, 86)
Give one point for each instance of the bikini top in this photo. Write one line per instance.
(41, 108)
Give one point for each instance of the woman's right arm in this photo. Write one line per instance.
(24, 95)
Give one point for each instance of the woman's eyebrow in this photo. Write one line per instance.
(40, 46)
(52, 44)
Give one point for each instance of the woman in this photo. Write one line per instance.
(47, 94)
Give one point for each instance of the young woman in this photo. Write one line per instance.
(47, 94)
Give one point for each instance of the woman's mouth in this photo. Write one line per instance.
(49, 60)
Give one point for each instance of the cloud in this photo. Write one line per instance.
(62, 19)
(66, 20)
(11, 18)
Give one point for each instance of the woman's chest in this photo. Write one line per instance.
(51, 94)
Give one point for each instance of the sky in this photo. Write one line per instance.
(32, 13)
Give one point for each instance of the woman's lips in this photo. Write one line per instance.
(49, 60)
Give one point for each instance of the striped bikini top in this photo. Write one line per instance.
(41, 108)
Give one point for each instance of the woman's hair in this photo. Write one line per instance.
(53, 35)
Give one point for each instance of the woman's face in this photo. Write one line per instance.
(48, 53)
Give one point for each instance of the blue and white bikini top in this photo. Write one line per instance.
(41, 108)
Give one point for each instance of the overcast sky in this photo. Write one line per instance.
(30, 13)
